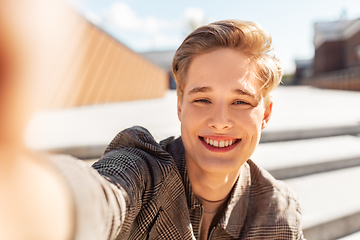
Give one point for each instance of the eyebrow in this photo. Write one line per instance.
(209, 89)
(244, 92)
(200, 90)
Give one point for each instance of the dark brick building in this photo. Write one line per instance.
(336, 45)
(336, 62)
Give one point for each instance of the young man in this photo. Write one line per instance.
(202, 185)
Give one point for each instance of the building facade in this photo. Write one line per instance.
(91, 67)
(336, 62)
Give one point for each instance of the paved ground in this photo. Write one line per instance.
(295, 108)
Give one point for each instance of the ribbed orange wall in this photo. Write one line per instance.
(95, 68)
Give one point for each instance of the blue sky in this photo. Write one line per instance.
(146, 25)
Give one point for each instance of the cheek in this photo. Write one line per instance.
(192, 114)
(250, 118)
(188, 119)
(258, 117)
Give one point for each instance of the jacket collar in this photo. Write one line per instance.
(177, 151)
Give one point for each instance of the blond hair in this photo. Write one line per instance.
(246, 37)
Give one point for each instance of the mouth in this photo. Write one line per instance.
(220, 143)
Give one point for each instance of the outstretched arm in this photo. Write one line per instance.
(37, 196)
(34, 201)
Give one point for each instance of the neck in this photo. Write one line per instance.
(211, 186)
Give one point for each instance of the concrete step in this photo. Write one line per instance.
(311, 140)
(308, 132)
(330, 203)
(291, 159)
(353, 236)
(307, 156)
(84, 152)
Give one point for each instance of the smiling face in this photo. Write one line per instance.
(222, 112)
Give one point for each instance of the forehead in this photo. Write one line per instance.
(223, 69)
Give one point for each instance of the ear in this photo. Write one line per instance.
(267, 114)
(179, 103)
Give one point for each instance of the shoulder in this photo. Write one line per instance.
(273, 203)
(263, 183)
(134, 144)
(147, 173)
(135, 156)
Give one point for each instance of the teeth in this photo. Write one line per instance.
(220, 144)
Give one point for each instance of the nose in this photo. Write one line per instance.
(219, 117)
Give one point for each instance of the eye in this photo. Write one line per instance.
(202, 101)
(240, 103)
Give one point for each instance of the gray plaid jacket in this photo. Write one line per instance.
(141, 191)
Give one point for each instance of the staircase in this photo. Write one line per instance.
(325, 172)
(312, 143)
(321, 162)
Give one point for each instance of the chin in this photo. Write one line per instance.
(221, 166)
